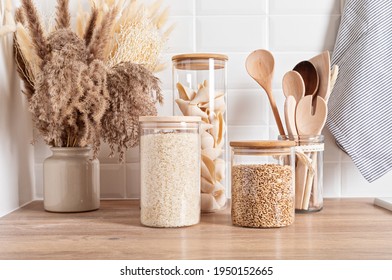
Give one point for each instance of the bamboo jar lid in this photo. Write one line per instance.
(185, 56)
(262, 144)
(168, 119)
(199, 61)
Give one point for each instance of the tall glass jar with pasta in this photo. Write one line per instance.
(200, 89)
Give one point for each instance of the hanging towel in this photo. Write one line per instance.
(360, 106)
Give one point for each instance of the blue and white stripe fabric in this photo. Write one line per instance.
(360, 106)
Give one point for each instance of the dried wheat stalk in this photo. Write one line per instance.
(101, 37)
(63, 18)
(35, 27)
(90, 27)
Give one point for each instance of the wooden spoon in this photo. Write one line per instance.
(260, 66)
(293, 85)
(323, 64)
(289, 113)
(310, 76)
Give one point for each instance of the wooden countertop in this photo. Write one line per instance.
(344, 229)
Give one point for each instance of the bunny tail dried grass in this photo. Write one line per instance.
(137, 41)
(102, 36)
(139, 36)
(63, 18)
(35, 28)
(130, 88)
(88, 34)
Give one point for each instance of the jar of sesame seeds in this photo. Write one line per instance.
(169, 171)
(262, 183)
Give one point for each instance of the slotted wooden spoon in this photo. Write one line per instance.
(323, 65)
(309, 121)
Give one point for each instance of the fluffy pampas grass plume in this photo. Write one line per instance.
(77, 96)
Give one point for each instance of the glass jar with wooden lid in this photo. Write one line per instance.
(262, 183)
(200, 89)
(169, 171)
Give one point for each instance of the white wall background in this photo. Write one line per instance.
(293, 30)
(17, 180)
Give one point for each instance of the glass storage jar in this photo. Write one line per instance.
(262, 183)
(170, 171)
(308, 172)
(200, 89)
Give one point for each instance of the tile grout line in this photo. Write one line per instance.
(267, 28)
(194, 45)
(267, 24)
(340, 177)
(125, 191)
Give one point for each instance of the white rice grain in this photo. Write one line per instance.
(170, 179)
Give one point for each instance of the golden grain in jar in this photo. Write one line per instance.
(262, 183)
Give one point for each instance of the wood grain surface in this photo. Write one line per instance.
(344, 229)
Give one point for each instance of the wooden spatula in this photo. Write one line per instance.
(309, 121)
(322, 64)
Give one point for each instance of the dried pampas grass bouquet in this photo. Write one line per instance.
(94, 83)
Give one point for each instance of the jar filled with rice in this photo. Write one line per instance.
(170, 171)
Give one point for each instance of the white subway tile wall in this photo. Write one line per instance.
(293, 30)
(302, 33)
(230, 33)
(182, 37)
(304, 7)
(230, 7)
(113, 180)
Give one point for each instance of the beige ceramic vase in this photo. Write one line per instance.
(71, 181)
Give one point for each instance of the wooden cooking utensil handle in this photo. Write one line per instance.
(315, 190)
(301, 172)
(309, 183)
(275, 111)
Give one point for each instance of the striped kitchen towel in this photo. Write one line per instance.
(360, 106)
